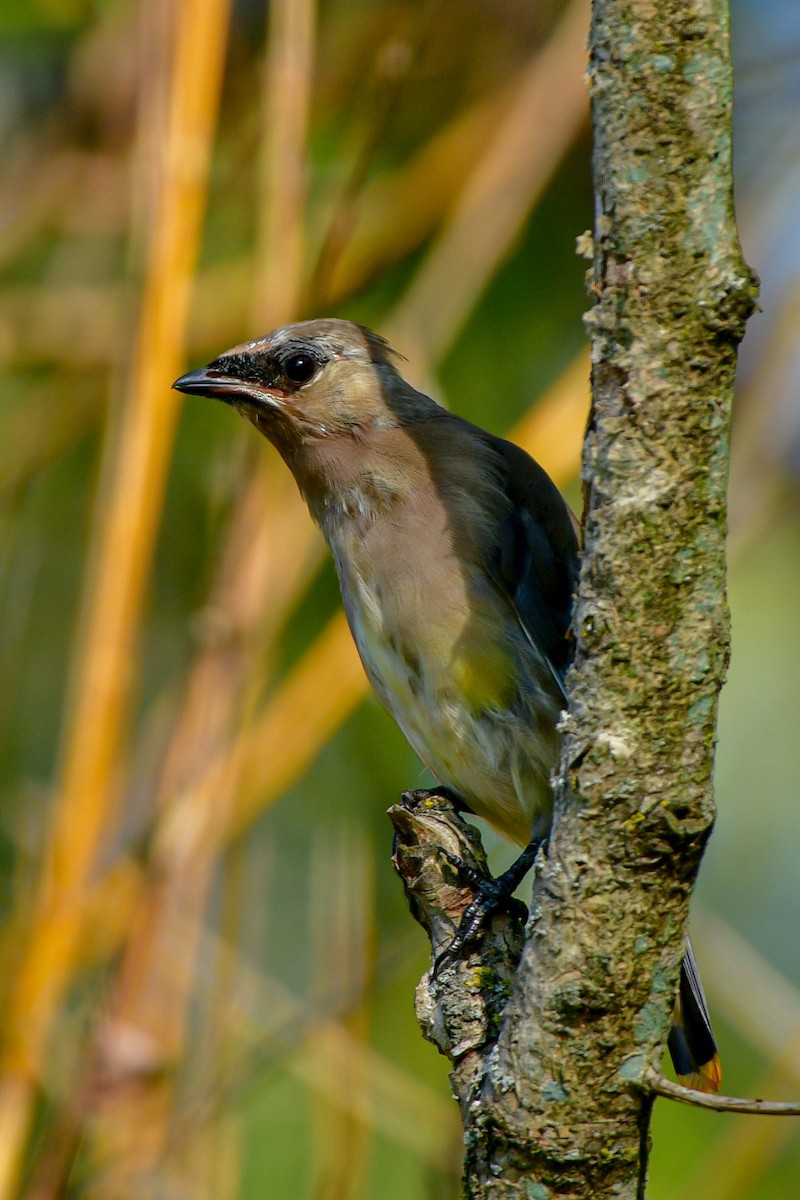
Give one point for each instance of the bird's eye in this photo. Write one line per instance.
(300, 368)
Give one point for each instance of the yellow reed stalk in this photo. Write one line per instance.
(211, 1165)
(140, 1041)
(126, 1142)
(541, 122)
(123, 539)
(270, 552)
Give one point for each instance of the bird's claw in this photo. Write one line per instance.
(491, 896)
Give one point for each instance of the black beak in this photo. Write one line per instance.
(210, 381)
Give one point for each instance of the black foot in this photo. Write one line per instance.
(491, 896)
(420, 795)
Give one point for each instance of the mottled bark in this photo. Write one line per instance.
(558, 1102)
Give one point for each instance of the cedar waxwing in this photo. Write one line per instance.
(457, 559)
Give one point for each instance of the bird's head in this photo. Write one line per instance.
(307, 382)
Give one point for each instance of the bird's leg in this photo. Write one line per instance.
(491, 895)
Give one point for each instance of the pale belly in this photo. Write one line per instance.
(497, 760)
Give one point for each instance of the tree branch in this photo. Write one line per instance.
(656, 1082)
(460, 1010)
(559, 1101)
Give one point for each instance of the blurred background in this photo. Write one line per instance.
(206, 963)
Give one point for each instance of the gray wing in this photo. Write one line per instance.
(536, 560)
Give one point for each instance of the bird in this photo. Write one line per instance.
(457, 560)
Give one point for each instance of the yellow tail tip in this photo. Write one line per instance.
(707, 1078)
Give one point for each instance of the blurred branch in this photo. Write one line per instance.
(759, 1002)
(45, 188)
(288, 734)
(85, 325)
(743, 1152)
(126, 520)
(72, 189)
(267, 558)
(77, 325)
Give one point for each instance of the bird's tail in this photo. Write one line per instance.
(691, 1042)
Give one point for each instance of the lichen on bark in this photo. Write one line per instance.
(558, 1106)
